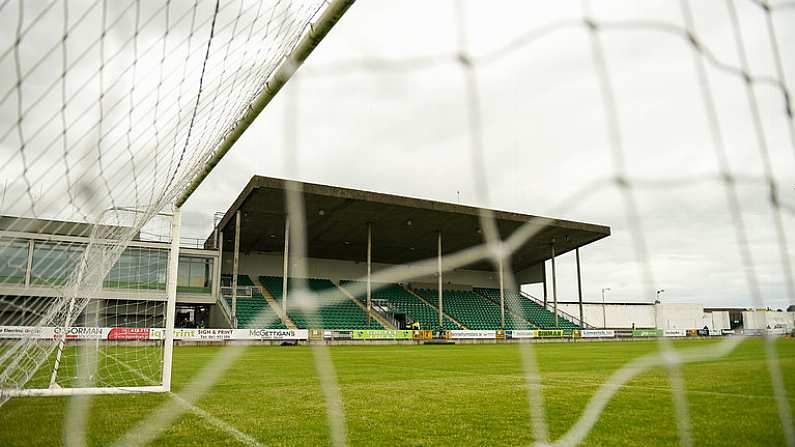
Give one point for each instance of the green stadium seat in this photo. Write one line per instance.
(253, 312)
(529, 309)
(336, 312)
(473, 310)
(403, 300)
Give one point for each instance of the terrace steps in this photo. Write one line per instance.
(386, 324)
(446, 315)
(273, 304)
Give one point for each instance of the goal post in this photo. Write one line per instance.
(171, 302)
(120, 108)
(62, 344)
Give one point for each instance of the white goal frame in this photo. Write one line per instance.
(317, 31)
(168, 347)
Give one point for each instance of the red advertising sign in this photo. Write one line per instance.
(129, 333)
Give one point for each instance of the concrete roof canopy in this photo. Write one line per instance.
(404, 229)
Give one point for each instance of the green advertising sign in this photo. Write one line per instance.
(647, 333)
(381, 335)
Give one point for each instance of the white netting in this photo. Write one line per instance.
(105, 118)
(140, 147)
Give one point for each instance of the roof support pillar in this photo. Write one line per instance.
(554, 287)
(219, 266)
(579, 281)
(235, 265)
(502, 291)
(544, 276)
(439, 265)
(286, 263)
(369, 271)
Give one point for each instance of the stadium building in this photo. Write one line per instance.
(421, 259)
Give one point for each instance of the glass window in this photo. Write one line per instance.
(54, 262)
(195, 275)
(13, 261)
(139, 268)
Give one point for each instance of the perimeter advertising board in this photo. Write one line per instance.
(26, 332)
(135, 333)
(675, 333)
(647, 333)
(597, 333)
(482, 335)
(271, 334)
(538, 333)
(381, 335)
(240, 334)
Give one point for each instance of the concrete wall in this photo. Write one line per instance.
(717, 320)
(256, 264)
(662, 316)
(680, 316)
(618, 316)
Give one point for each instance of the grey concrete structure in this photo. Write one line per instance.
(337, 220)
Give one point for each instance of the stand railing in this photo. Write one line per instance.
(561, 312)
(384, 309)
(225, 309)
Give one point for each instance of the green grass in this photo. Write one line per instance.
(441, 395)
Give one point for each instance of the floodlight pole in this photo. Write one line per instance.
(279, 77)
(171, 294)
(502, 292)
(235, 266)
(369, 271)
(554, 286)
(604, 310)
(286, 263)
(439, 266)
(579, 281)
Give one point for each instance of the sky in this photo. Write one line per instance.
(383, 104)
(405, 131)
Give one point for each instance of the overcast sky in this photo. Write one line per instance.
(382, 105)
(406, 132)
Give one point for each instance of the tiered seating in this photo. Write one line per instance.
(253, 312)
(402, 300)
(473, 310)
(530, 310)
(336, 311)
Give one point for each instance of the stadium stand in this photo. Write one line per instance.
(254, 308)
(473, 310)
(404, 301)
(529, 309)
(337, 312)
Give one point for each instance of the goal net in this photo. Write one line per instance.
(113, 112)
(109, 109)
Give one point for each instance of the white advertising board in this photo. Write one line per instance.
(523, 334)
(675, 333)
(271, 334)
(597, 333)
(537, 333)
(473, 334)
(25, 332)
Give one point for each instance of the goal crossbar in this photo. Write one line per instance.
(288, 66)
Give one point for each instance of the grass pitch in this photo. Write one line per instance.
(439, 395)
